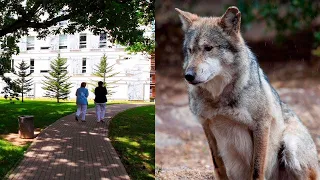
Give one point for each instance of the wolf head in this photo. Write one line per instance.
(211, 45)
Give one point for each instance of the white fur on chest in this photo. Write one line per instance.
(234, 143)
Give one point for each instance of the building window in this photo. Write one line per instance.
(45, 44)
(30, 43)
(83, 41)
(31, 65)
(103, 40)
(63, 41)
(84, 65)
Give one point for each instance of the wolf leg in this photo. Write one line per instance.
(260, 147)
(220, 171)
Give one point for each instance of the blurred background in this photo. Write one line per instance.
(285, 37)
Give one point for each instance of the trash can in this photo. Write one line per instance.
(26, 127)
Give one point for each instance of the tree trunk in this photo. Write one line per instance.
(58, 95)
(22, 93)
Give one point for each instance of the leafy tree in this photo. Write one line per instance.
(57, 85)
(104, 71)
(9, 48)
(11, 90)
(120, 18)
(10, 94)
(147, 45)
(285, 17)
(22, 81)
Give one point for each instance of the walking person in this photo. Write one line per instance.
(82, 102)
(100, 101)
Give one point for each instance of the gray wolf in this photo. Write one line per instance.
(252, 134)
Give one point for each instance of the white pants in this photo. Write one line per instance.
(100, 111)
(82, 109)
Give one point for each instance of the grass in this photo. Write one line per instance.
(110, 101)
(132, 135)
(10, 155)
(44, 112)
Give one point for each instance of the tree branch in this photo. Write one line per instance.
(49, 23)
(19, 23)
(36, 6)
(22, 23)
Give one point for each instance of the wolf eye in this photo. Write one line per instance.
(208, 48)
(189, 50)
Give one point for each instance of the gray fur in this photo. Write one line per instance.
(257, 135)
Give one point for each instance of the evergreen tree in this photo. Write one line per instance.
(121, 18)
(23, 83)
(104, 71)
(11, 92)
(57, 85)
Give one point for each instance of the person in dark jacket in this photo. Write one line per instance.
(100, 101)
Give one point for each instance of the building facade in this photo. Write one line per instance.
(83, 52)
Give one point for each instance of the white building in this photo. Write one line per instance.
(83, 51)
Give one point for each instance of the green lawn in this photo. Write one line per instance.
(132, 135)
(45, 112)
(10, 155)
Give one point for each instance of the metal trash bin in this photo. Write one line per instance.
(26, 127)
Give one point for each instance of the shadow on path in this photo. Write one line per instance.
(69, 149)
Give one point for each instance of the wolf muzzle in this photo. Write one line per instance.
(190, 75)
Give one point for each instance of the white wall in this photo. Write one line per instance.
(134, 76)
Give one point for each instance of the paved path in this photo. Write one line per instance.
(68, 149)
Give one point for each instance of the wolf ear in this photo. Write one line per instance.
(186, 18)
(231, 20)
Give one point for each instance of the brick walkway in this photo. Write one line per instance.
(68, 149)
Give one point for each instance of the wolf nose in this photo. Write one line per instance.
(190, 76)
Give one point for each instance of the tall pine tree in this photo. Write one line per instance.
(57, 85)
(104, 71)
(22, 81)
